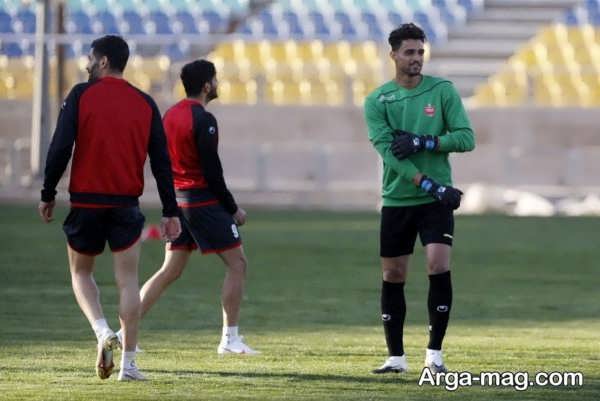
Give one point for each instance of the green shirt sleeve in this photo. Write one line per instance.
(459, 137)
(380, 135)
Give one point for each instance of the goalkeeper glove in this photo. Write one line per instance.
(446, 195)
(406, 143)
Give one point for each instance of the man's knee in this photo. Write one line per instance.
(238, 265)
(437, 267)
(394, 275)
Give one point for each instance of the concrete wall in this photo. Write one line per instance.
(313, 155)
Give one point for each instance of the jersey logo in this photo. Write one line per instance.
(429, 110)
(389, 98)
(212, 130)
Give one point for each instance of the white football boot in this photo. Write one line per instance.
(104, 363)
(394, 364)
(234, 345)
(131, 373)
(434, 361)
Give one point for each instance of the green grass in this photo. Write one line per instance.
(526, 299)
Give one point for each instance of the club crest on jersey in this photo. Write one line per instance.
(429, 110)
(212, 130)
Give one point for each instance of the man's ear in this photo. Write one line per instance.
(103, 62)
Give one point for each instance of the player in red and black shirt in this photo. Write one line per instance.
(114, 127)
(209, 213)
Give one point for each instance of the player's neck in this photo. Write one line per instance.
(200, 99)
(111, 74)
(408, 81)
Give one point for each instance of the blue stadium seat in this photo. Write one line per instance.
(373, 28)
(187, 21)
(81, 22)
(178, 51)
(161, 22)
(214, 19)
(347, 27)
(135, 24)
(293, 22)
(12, 50)
(5, 22)
(469, 5)
(27, 19)
(268, 24)
(244, 29)
(572, 18)
(319, 23)
(108, 21)
(396, 19)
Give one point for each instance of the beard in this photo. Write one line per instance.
(93, 72)
(413, 70)
(212, 94)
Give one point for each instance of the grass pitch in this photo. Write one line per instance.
(525, 299)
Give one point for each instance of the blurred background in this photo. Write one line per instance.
(293, 76)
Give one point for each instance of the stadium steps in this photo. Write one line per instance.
(489, 38)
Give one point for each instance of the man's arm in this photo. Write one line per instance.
(381, 136)
(207, 143)
(61, 146)
(161, 164)
(460, 137)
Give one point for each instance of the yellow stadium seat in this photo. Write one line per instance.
(547, 92)
(288, 92)
(327, 92)
(237, 92)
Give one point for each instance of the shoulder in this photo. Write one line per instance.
(382, 93)
(202, 115)
(438, 83)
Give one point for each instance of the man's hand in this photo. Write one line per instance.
(406, 143)
(446, 195)
(46, 209)
(170, 228)
(239, 217)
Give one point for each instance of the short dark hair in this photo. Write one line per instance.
(195, 75)
(114, 48)
(405, 31)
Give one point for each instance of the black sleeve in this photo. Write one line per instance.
(161, 164)
(207, 139)
(61, 146)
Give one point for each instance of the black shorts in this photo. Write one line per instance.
(88, 229)
(399, 227)
(209, 228)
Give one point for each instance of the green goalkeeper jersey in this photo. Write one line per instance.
(433, 108)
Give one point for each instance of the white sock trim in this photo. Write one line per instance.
(231, 331)
(100, 327)
(128, 360)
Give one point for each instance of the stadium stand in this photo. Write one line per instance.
(560, 66)
(303, 51)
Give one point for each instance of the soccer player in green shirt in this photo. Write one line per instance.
(414, 121)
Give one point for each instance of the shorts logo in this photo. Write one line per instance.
(448, 236)
(429, 110)
(442, 308)
(235, 232)
(212, 130)
(386, 318)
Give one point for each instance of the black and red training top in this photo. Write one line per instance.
(193, 140)
(113, 126)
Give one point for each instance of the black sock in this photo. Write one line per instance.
(439, 303)
(393, 311)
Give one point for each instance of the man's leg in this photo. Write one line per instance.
(85, 289)
(393, 311)
(88, 297)
(171, 269)
(439, 301)
(126, 275)
(231, 299)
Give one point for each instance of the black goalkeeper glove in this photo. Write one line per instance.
(446, 195)
(406, 143)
